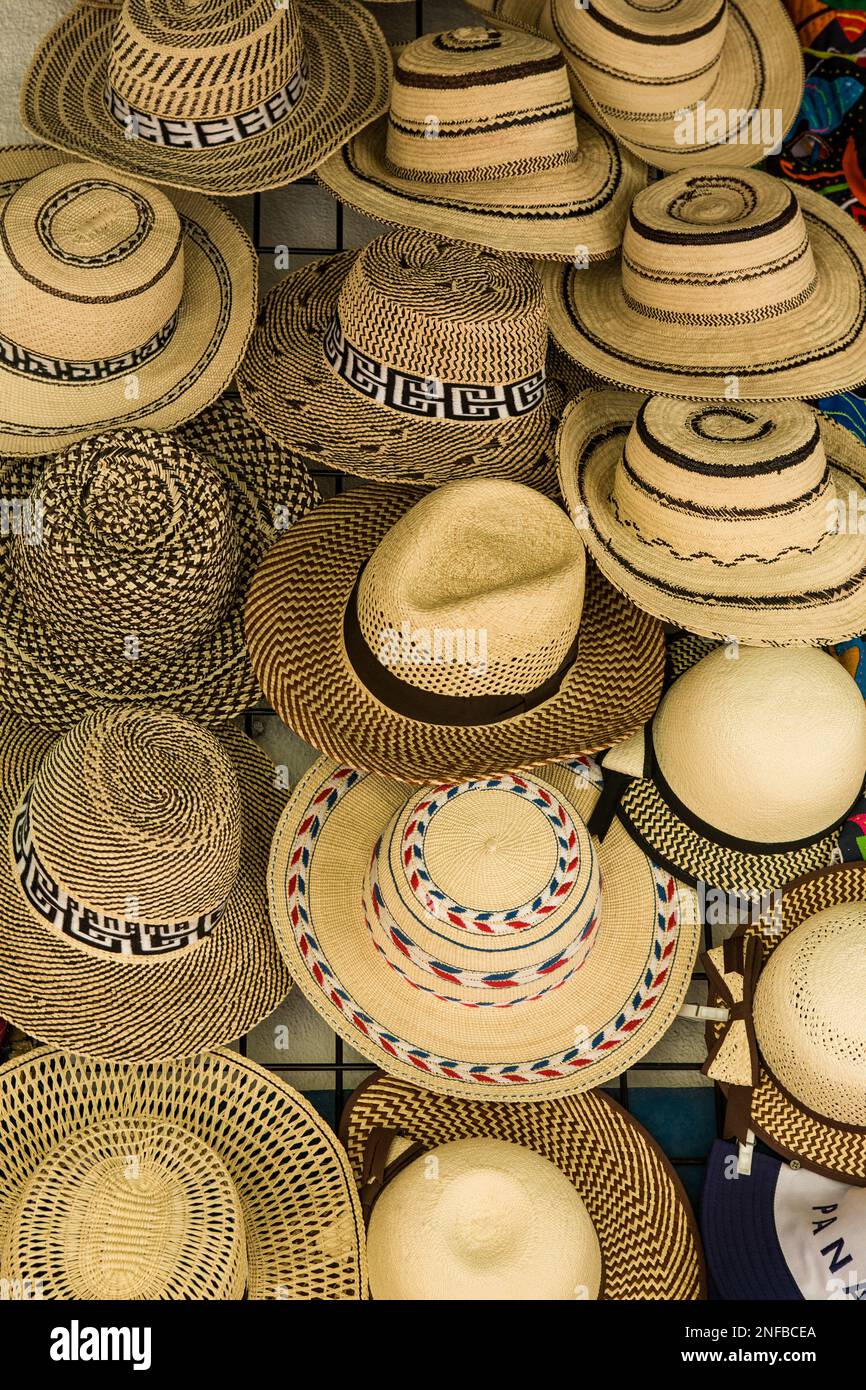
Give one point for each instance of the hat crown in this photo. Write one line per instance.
(809, 1016)
(476, 590)
(475, 103)
(138, 552)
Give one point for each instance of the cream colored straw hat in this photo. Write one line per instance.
(473, 936)
(725, 519)
(482, 144)
(205, 1178)
(133, 908)
(218, 96)
(495, 1163)
(792, 1055)
(119, 305)
(731, 284)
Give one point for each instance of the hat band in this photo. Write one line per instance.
(222, 130)
(119, 936)
(32, 364)
(427, 396)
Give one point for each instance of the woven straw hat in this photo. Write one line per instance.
(473, 936)
(119, 305)
(683, 84)
(724, 519)
(126, 579)
(218, 96)
(482, 144)
(460, 635)
(413, 360)
(647, 1237)
(730, 283)
(748, 769)
(133, 911)
(205, 1178)
(792, 1057)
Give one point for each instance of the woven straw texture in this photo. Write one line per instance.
(205, 1178)
(649, 1244)
(231, 57)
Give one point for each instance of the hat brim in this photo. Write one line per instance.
(763, 602)
(347, 86)
(57, 680)
(215, 320)
(302, 1223)
(804, 352)
(550, 215)
(620, 1001)
(649, 1242)
(124, 1009)
(289, 389)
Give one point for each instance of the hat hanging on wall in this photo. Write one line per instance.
(223, 98)
(133, 907)
(206, 1178)
(482, 144)
(119, 304)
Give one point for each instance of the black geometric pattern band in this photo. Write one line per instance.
(19, 359)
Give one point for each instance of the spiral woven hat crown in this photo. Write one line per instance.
(221, 96)
(731, 284)
(708, 516)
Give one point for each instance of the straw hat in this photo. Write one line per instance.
(460, 635)
(494, 1162)
(220, 97)
(133, 911)
(200, 1179)
(412, 360)
(792, 1056)
(731, 283)
(482, 144)
(747, 771)
(727, 519)
(681, 85)
(473, 936)
(119, 305)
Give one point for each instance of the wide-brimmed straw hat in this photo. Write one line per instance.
(125, 579)
(646, 1239)
(200, 94)
(681, 85)
(413, 360)
(747, 771)
(133, 905)
(473, 936)
(482, 144)
(792, 1054)
(203, 1178)
(725, 519)
(119, 304)
(451, 636)
(731, 284)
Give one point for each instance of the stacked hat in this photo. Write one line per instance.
(482, 144)
(219, 97)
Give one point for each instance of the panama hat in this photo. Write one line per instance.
(413, 360)
(747, 771)
(727, 518)
(133, 906)
(119, 305)
(504, 160)
(450, 636)
(792, 1054)
(731, 283)
(124, 581)
(203, 95)
(204, 1178)
(472, 935)
(494, 1162)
